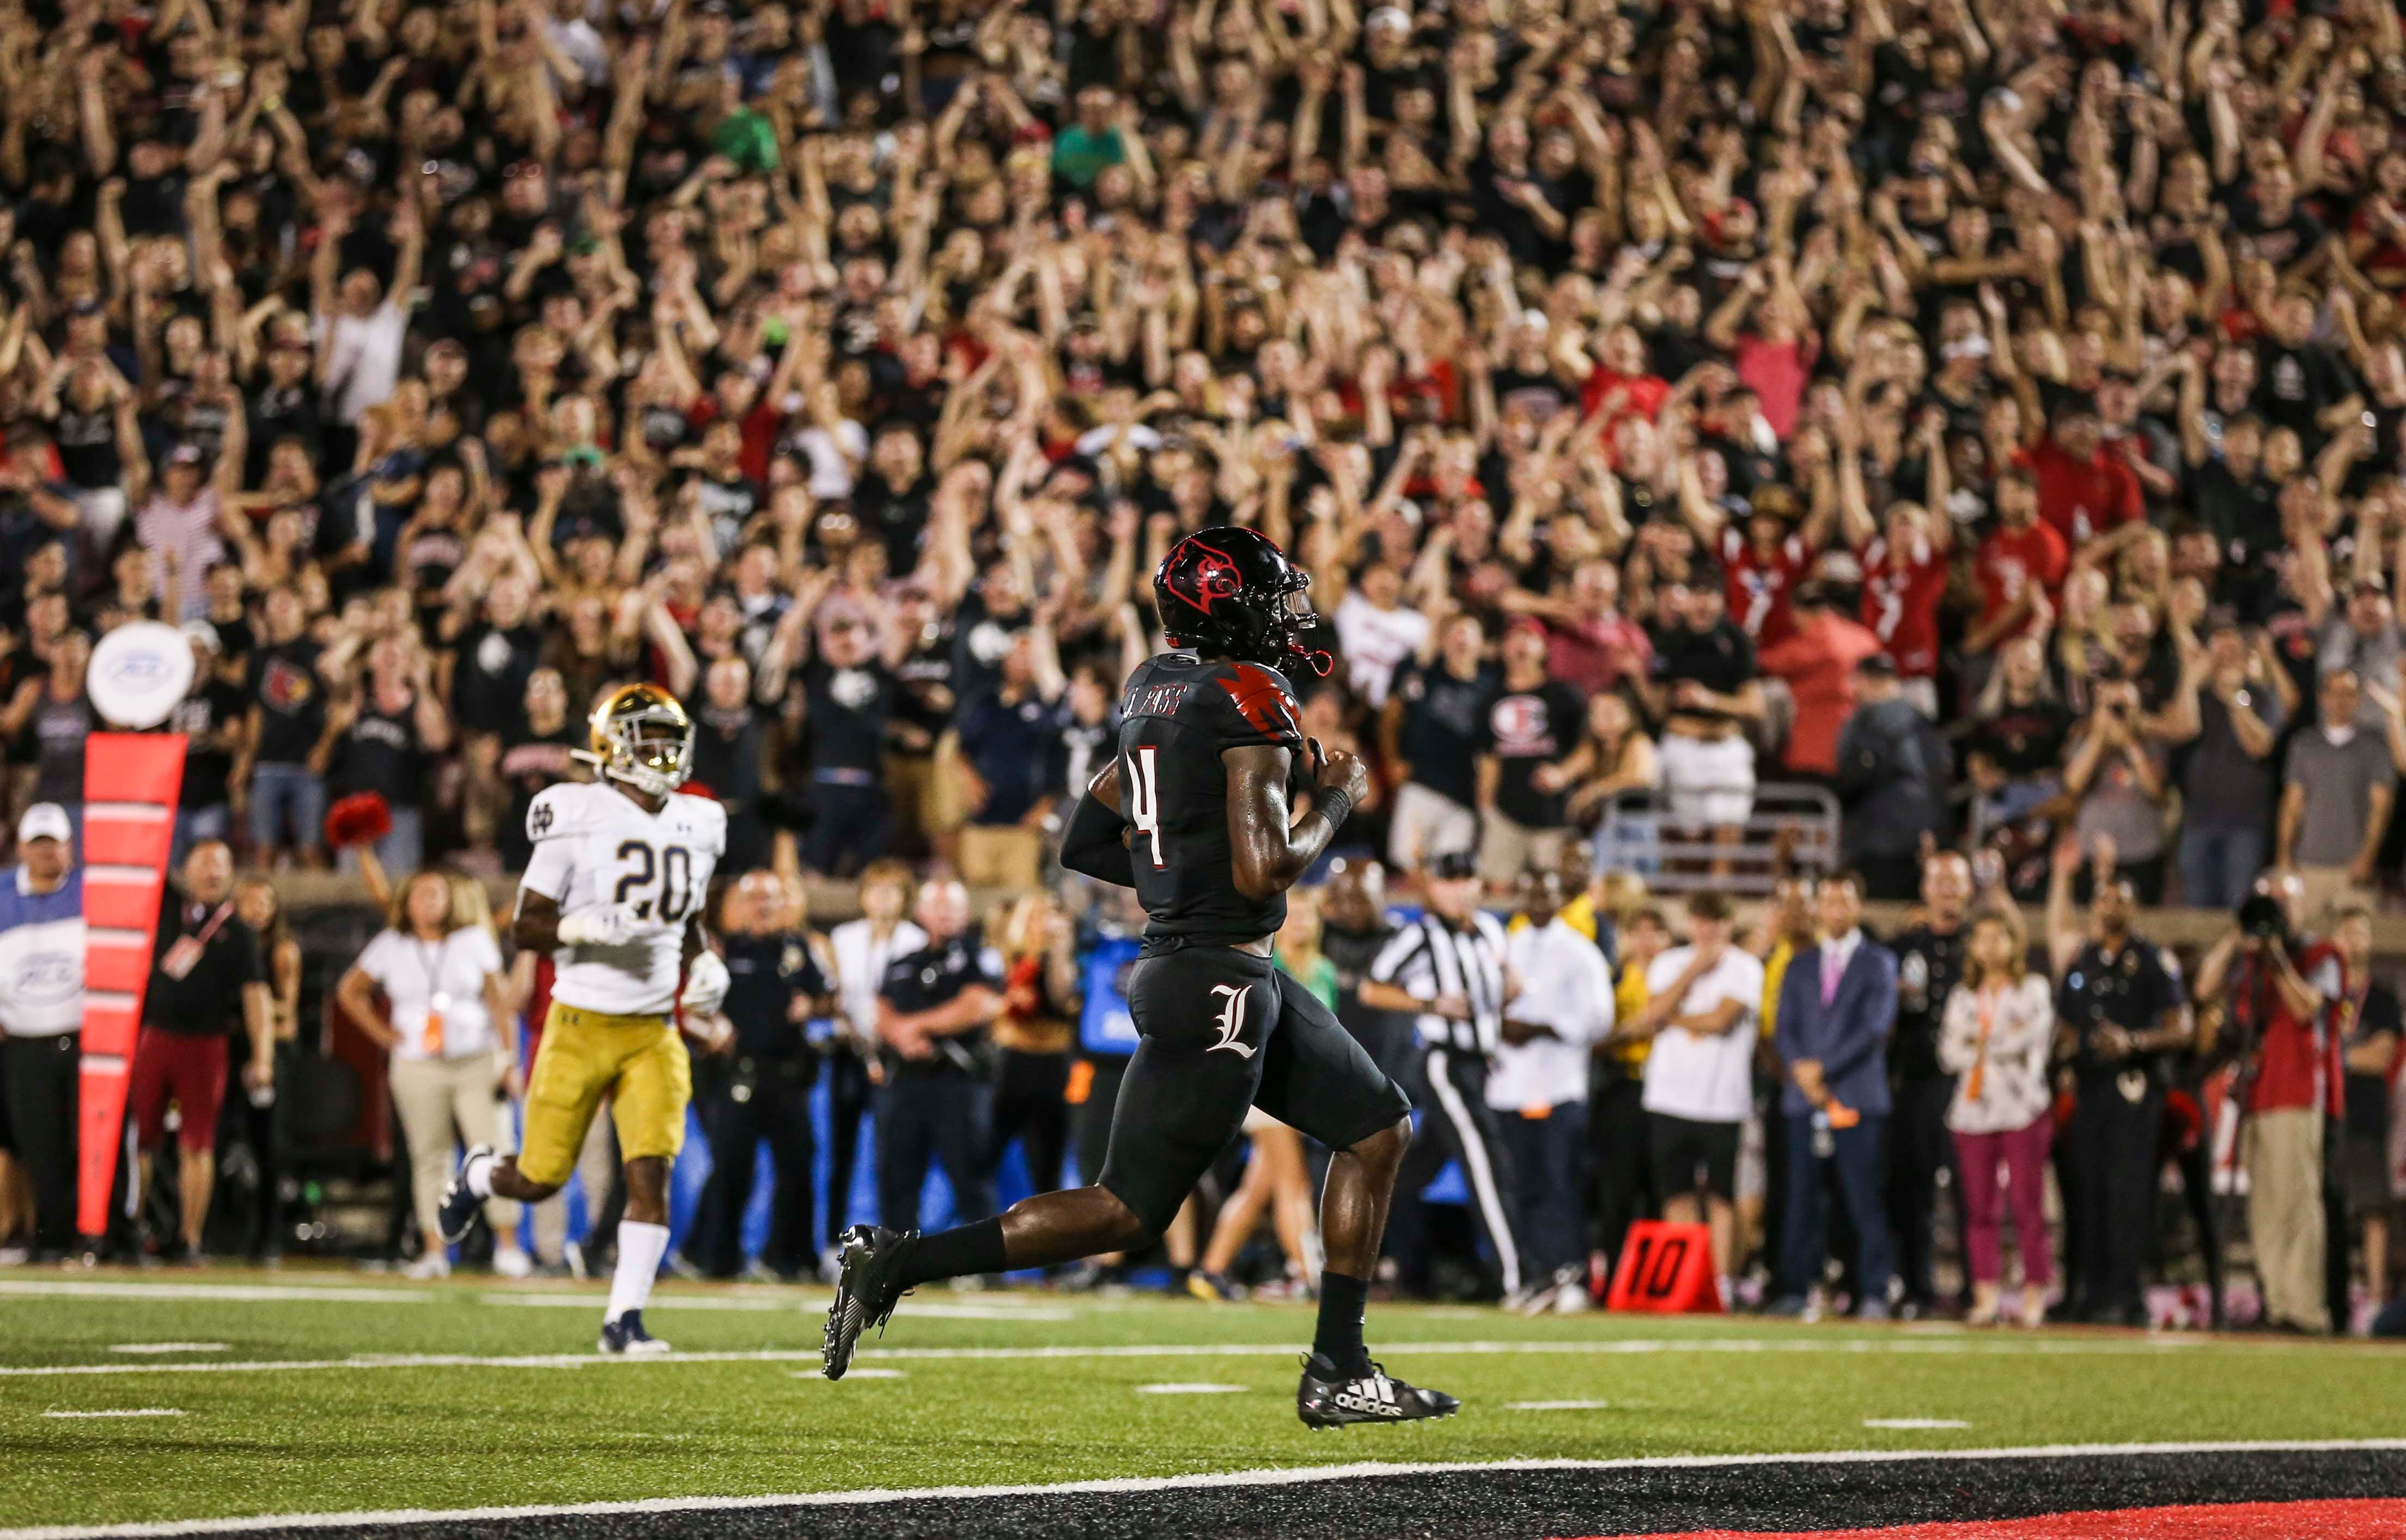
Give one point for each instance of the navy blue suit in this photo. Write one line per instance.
(1849, 1036)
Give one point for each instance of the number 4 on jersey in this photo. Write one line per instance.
(1144, 798)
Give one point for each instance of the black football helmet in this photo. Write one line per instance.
(1231, 592)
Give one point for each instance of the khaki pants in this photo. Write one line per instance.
(2284, 1214)
(444, 1103)
(2329, 890)
(1506, 849)
(1428, 824)
(1001, 855)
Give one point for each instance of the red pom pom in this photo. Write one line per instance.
(2184, 1122)
(695, 788)
(360, 819)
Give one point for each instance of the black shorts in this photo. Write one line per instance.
(1224, 1031)
(1678, 1147)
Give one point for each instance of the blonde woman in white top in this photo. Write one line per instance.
(446, 1022)
(1997, 1032)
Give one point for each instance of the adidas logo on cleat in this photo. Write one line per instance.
(1370, 1405)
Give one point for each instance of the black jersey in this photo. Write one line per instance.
(1180, 713)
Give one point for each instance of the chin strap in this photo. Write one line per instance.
(1318, 659)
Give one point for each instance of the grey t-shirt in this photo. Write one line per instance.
(2224, 786)
(2337, 779)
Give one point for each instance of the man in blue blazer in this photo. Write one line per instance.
(1838, 1006)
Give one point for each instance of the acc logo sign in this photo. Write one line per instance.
(139, 672)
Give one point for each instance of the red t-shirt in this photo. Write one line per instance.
(1777, 373)
(2299, 1063)
(1645, 395)
(2011, 560)
(2080, 497)
(1901, 595)
(1756, 587)
(1818, 664)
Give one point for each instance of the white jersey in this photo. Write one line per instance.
(594, 846)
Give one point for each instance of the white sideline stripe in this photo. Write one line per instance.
(1915, 1424)
(1191, 1387)
(1206, 1481)
(1555, 1405)
(131, 1411)
(1994, 1348)
(244, 1293)
(711, 1302)
(167, 1348)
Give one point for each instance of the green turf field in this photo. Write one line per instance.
(469, 1393)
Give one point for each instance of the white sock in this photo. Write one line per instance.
(478, 1174)
(639, 1250)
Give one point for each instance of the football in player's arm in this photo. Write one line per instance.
(1193, 814)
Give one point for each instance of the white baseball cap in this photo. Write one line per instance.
(44, 821)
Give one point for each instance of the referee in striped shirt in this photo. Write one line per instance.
(1446, 970)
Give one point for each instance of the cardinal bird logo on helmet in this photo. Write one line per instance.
(1211, 576)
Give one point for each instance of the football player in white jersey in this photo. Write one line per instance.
(614, 893)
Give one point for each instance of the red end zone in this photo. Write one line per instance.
(2359, 1518)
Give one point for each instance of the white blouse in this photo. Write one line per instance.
(2000, 1085)
(427, 982)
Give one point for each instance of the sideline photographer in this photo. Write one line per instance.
(2281, 988)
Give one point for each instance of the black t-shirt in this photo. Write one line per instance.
(2242, 513)
(382, 753)
(2132, 989)
(2368, 1094)
(1180, 713)
(1722, 659)
(196, 989)
(489, 683)
(2298, 385)
(1525, 729)
(726, 756)
(1928, 968)
(766, 974)
(1442, 717)
(530, 762)
(935, 975)
(923, 696)
(283, 684)
(2024, 739)
(845, 715)
(893, 518)
(199, 716)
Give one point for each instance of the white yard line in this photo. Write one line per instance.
(131, 1411)
(1206, 1481)
(1914, 1424)
(663, 1303)
(1555, 1405)
(1995, 1347)
(1191, 1387)
(239, 1293)
(167, 1348)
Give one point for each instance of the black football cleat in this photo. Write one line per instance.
(1330, 1398)
(625, 1337)
(460, 1205)
(867, 1288)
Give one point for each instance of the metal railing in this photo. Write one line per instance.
(1791, 827)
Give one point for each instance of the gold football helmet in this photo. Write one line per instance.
(643, 737)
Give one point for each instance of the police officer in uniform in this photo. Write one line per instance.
(1929, 963)
(2120, 1018)
(933, 1011)
(763, 1091)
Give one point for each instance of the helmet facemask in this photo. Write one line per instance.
(646, 743)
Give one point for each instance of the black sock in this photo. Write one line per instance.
(1338, 1337)
(951, 1253)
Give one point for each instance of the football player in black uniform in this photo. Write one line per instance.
(1192, 812)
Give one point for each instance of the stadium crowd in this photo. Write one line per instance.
(1988, 416)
